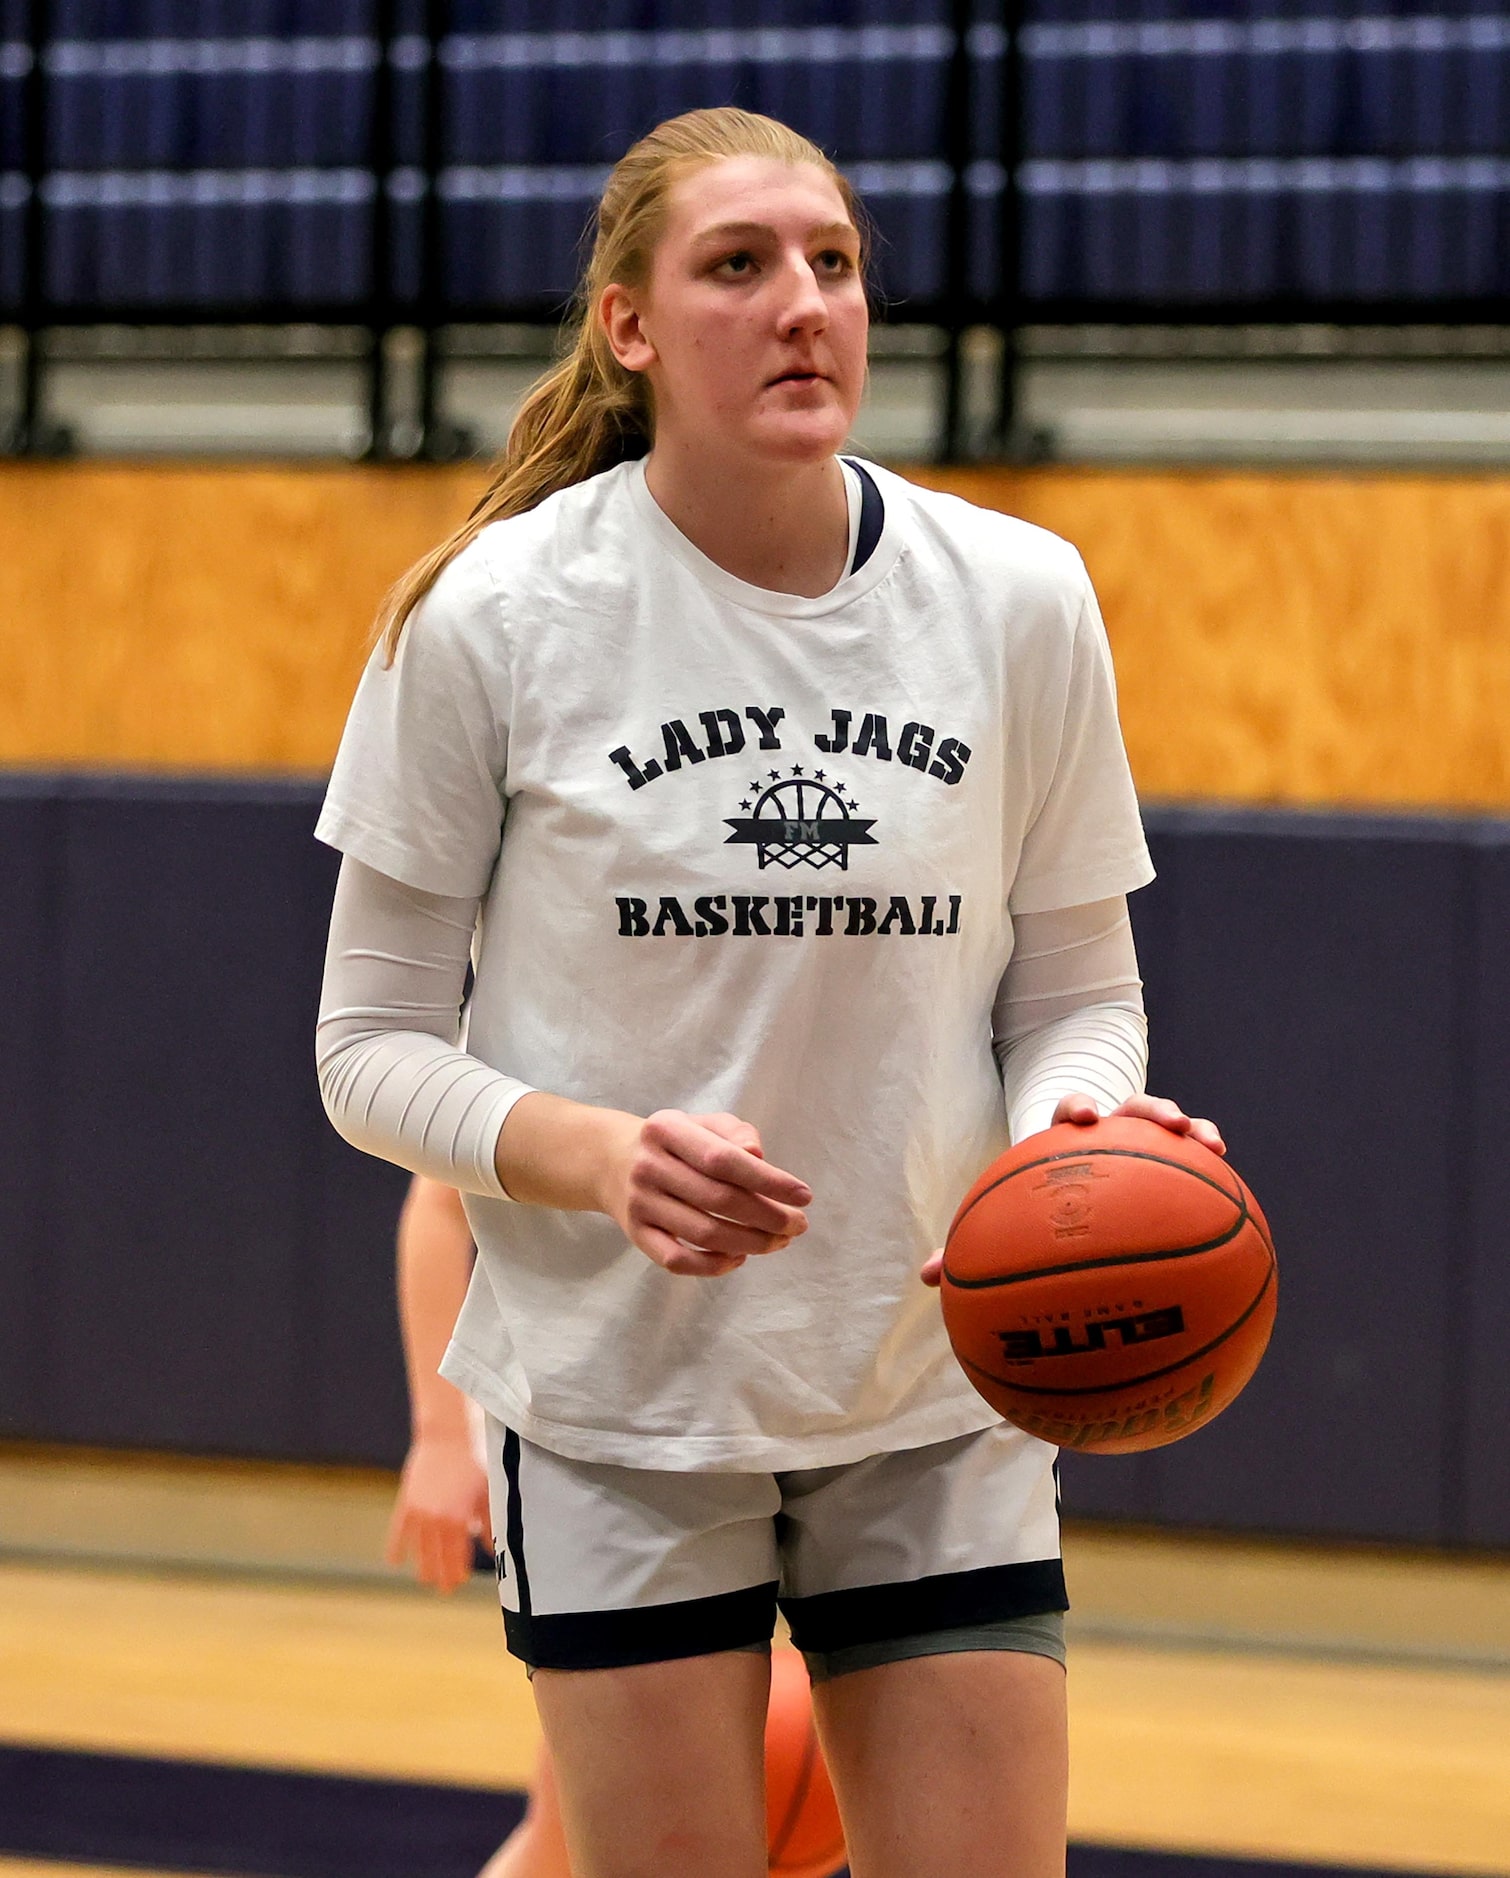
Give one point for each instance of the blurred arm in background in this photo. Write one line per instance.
(443, 1495)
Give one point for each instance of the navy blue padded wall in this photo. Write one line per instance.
(355, 1401)
(193, 1260)
(28, 1031)
(1127, 1486)
(1479, 1334)
(198, 1250)
(181, 1177)
(1305, 989)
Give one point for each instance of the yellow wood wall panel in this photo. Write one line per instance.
(198, 617)
(1298, 638)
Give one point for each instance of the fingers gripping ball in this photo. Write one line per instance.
(1109, 1288)
(802, 1815)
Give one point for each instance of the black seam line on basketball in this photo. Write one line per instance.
(1120, 1154)
(1130, 1382)
(1096, 1265)
(798, 1800)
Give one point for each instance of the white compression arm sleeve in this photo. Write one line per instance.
(1069, 1014)
(391, 1076)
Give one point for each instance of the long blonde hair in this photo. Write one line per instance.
(589, 413)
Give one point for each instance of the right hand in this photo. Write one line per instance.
(696, 1195)
(442, 1507)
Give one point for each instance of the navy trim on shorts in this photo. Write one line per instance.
(656, 1633)
(872, 516)
(513, 1527)
(838, 1620)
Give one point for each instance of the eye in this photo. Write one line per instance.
(739, 266)
(835, 261)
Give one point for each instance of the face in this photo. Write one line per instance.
(752, 328)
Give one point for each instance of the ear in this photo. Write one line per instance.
(620, 319)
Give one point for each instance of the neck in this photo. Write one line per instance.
(785, 528)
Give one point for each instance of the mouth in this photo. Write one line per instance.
(799, 377)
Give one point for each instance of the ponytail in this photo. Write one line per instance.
(589, 413)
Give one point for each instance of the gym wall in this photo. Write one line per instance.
(191, 1259)
(1280, 638)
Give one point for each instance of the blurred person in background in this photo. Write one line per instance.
(440, 1518)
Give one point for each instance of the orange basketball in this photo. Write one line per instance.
(1109, 1288)
(802, 1815)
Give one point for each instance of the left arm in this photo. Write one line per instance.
(1068, 1017)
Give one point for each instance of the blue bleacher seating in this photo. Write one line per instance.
(1179, 153)
(1201, 154)
(189, 104)
(216, 240)
(13, 196)
(872, 92)
(15, 65)
(1321, 229)
(1274, 85)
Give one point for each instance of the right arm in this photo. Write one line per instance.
(691, 1191)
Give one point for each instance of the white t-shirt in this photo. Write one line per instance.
(742, 850)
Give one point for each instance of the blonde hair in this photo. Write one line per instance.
(589, 413)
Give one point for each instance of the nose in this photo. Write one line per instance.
(805, 310)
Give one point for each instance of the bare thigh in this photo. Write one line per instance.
(536, 1848)
(950, 1764)
(660, 1767)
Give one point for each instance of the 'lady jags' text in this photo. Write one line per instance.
(723, 733)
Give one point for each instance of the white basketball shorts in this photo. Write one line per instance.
(600, 1566)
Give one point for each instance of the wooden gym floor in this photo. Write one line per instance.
(1322, 1707)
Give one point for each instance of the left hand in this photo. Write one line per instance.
(1082, 1111)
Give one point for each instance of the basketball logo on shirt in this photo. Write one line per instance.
(800, 820)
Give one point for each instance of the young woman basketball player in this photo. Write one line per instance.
(785, 809)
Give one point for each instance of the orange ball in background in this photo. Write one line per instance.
(803, 1831)
(1109, 1287)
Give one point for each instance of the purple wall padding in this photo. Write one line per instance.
(28, 965)
(210, 1269)
(1310, 985)
(192, 1260)
(1478, 1341)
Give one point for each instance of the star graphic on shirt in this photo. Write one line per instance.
(818, 775)
(745, 806)
(852, 803)
(754, 786)
(796, 769)
(775, 775)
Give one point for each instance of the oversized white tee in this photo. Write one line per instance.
(746, 851)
